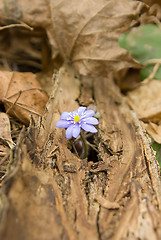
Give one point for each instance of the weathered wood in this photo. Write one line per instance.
(49, 193)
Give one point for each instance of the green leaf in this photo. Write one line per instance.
(144, 44)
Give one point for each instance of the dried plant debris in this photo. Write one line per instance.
(6, 143)
(89, 37)
(154, 130)
(48, 192)
(127, 79)
(22, 50)
(145, 100)
(152, 3)
(36, 16)
(22, 95)
(5, 130)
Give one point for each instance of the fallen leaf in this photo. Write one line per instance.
(87, 32)
(154, 130)
(6, 142)
(19, 51)
(36, 15)
(5, 129)
(146, 101)
(122, 79)
(152, 2)
(22, 95)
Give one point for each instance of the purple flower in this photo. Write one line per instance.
(74, 121)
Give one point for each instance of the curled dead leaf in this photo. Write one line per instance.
(22, 95)
(146, 101)
(87, 32)
(154, 130)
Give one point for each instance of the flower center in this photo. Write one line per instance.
(76, 118)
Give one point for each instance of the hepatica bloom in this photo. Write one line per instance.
(74, 121)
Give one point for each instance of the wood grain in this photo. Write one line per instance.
(49, 193)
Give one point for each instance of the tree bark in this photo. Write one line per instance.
(49, 193)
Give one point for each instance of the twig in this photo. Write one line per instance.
(17, 25)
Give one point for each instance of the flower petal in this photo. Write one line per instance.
(91, 120)
(69, 131)
(64, 116)
(76, 130)
(88, 113)
(74, 113)
(89, 128)
(81, 110)
(62, 124)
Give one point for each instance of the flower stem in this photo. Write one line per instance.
(85, 145)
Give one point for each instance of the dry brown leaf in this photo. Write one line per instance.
(5, 135)
(152, 2)
(146, 101)
(22, 95)
(122, 79)
(87, 32)
(5, 129)
(154, 130)
(36, 15)
(19, 49)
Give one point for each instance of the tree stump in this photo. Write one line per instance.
(51, 194)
